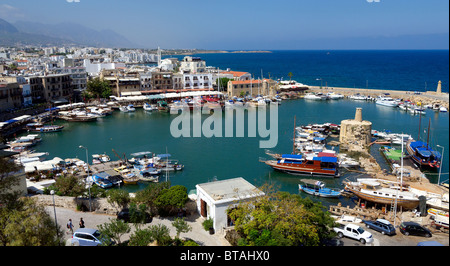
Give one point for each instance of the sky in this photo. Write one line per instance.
(252, 24)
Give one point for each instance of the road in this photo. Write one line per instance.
(198, 234)
(92, 220)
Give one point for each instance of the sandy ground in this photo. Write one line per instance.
(92, 220)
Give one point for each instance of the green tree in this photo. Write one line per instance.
(69, 186)
(114, 230)
(223, 83)
(172, 199)
(181, 226)
(99, 88)
(118, 198)
(8, 179)
(149, 195)
(281, 219)
(28, 224)
(290, 75)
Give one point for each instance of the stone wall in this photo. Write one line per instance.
(98, 205)
(355, 135)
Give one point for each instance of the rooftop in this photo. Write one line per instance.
(230, 190)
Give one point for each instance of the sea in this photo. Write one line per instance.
(206, 159)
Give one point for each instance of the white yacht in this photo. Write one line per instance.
(386, 101)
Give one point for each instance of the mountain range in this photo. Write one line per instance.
(33, 33)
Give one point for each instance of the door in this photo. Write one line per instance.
(203, 208)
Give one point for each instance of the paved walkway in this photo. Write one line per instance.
(92, 220)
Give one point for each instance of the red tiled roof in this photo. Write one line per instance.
(237, 82)
(235, 73)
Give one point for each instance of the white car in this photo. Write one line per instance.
(354, 231)
(87, 237)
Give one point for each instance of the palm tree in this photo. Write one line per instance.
(290, 75)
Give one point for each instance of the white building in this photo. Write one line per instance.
(192, 65)
(198, 81)
(94, 68)
(215, 198)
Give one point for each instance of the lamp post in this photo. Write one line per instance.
(87, 162)
(52, 192)
(440, 166)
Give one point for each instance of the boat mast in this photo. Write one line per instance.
(420, 120)
(293, 140)
(428, 133)
(401, 184)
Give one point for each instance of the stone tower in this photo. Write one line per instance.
(356, 134)
(439, 87)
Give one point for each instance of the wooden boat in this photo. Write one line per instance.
(382, 192)
(38, 127)
(317, 188)
(130, 179)
(423, 155)
(312, 166)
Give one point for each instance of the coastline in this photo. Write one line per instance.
(427, 97)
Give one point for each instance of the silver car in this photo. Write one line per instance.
(87, 237)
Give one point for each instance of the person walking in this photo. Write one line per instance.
(81, 223)
(70, 226)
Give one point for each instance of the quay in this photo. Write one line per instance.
(428, 97)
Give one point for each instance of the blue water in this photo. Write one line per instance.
(206, 159)
(391, 70)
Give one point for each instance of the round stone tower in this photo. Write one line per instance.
(356, 134)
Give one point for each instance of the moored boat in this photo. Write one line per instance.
(311, 166)
(423, 155)
(38, 127)
(317, 188)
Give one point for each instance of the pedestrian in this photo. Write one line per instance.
(70, 226)
(81, 223)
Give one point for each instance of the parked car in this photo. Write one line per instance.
(125, 216)
(355, 232)
(88, 237)
(414, 229)
(381, 225)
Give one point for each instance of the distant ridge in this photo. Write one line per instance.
(31, 33)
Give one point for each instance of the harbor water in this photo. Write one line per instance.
(218, 158)
(206, 159)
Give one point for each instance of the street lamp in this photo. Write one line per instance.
(87, 162)
(440, 166)
(52, 192)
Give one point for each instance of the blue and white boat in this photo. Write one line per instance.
(99, 181)
(317, 188)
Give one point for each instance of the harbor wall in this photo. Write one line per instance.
(428, 97)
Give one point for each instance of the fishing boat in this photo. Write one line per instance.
(317, 188)
(99, 181)
(38, 127)
(421, 152)
(423, 155)
(163, 106)
(312, 166)
(148, 107)
(229, 104)
(443, 109)
(130, 179)
(383, 192)
(77, 117)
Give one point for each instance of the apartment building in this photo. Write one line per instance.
(10, 95)
(191, 64)
(198, 81)
(240, 88)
